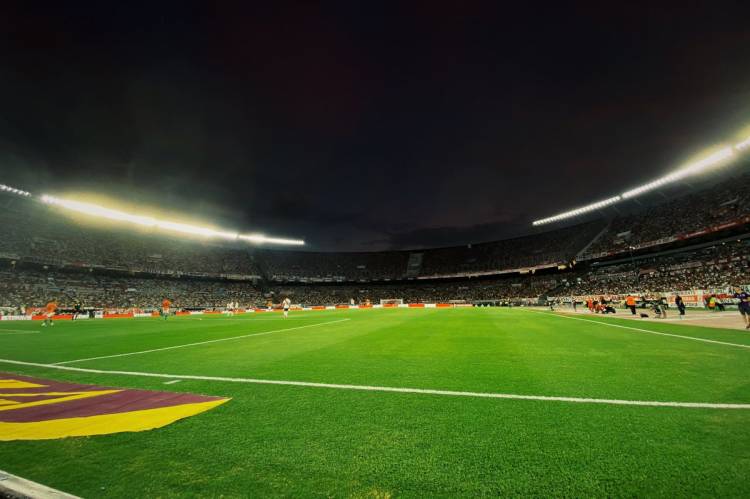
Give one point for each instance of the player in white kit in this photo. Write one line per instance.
(286, 304)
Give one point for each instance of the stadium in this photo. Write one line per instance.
(153, 347)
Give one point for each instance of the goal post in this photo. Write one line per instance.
(392, 301)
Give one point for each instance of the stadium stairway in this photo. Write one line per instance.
(414, 265)
(260, 265)
(552, 290)
(581, 254)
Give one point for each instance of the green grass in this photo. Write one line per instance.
(272, 440)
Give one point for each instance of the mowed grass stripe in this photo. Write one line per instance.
(642, 330)
(274, 440)
(72, 340)
(94, 338)
(477, 350)
(421, 391)
(198, 343)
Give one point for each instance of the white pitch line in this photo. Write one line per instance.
(261, 319)
(172, 382)
(198, 343)
(21, 487)
(705, 340)
(420, 391)
(695, 318)
(17, 331)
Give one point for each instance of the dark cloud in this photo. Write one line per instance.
(363, 126)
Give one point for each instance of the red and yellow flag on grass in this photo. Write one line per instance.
(38, 409)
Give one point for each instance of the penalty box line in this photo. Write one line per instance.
(704, 340)
(367, 388)
(197, 343)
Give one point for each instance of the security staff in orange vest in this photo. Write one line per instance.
(630, 302)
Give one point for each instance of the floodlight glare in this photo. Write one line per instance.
(691, 169)
(260, 239)
(578, 211)
(717, 158)
(198, 231)
(13, 190)
(100, 211)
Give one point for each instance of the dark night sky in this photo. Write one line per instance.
(362, 126)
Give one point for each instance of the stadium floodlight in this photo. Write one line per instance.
(100, 211)
(700, 166)
(578, 211)
(717, 158)
(198, 231)
(13, 190)
(260, 239)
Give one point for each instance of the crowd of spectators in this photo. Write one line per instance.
(724, 203)
(38, 249)
(469, 291)
(34, 288)
(550, 248)
(555, 247)
(716, 267)
(31, 234)
(34, 233)
(302, 266)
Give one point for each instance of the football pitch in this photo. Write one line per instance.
(401, 403)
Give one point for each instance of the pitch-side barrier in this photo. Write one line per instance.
(133, 315)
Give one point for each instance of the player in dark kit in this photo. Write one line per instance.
(680, 303)
(743, 305)
(76, 310)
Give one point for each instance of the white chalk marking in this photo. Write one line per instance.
(705, 340)
(15, 486)
(420, 391)
(172, 382)
(17, 331)
(261, 319)
(676, 318)
(141, 352)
